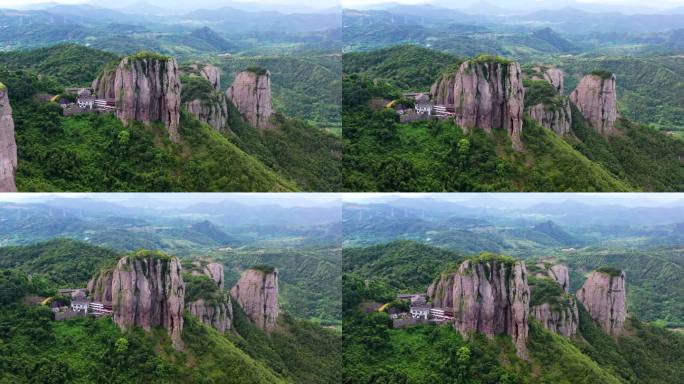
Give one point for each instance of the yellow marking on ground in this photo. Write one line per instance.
(382, 308)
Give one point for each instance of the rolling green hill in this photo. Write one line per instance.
(37, 349)
(376, 352)
(97, 153)
(382, 155)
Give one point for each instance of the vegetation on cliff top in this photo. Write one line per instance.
(614, 272)
(148, 55)
(602, 74)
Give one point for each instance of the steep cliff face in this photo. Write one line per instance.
(215, 272)
(8, 146)
(145, 88)
(257, 294)
(213, 111)
(550, 302)
(562, 320)
(558, 272)
(603, 295)
(596, 98)
(486, 94)
(251, 94)
(213, 75)
(213, 308)
(147, 290)
(487, 295)
(218, 315)
(556, 117)
(553, 76)
(561, 275)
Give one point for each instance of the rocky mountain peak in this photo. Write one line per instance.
(146, 88)
(544, 99)
(604, 297)
(486, 93)
(213, 75)
(550, 302)
(212, 306)
(146, 289)
(8, 146)
(257, 294)
(488, 295)
(251, 94)
(596, 98)
(554, 76)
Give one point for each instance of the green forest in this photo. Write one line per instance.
(381, 154)
(374, 352)
(37, 349)
(95, 152)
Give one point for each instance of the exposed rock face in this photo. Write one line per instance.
(489, 296)
(212, 75)
(603, 295)
(557, 313)
(561, 319)
(218, 315)
(558, 272)
(487, 95)
(557, 117)
(257, 294)
(215, 272)
(554, 76)
(8, 146)
(217, 312)
(145, 89)
(251, 94)
(596, 98)
(213, 112)
(561, 275)
(100, 287)
(147, 290)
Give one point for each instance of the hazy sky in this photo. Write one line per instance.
(174, 3)
(662, 4)
(521, 200)
(178, 200)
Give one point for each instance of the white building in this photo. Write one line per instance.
(86, 102)
(424, 108)
(80, 305)
(420, 312)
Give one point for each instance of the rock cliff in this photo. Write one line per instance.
(213, 76)
(145, 88)
(561, 319)
(603, 295)
(596, 98)
(488, 295)
(146, 289)
(213, 111)
(8, 146)
(553, 76)
(251, 94)
(486, 93)
(556, 116)
(257, 294)
(216, 314)
(550, 302)
(213, 308)
(558, 272)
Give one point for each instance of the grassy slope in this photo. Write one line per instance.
(91, 153)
